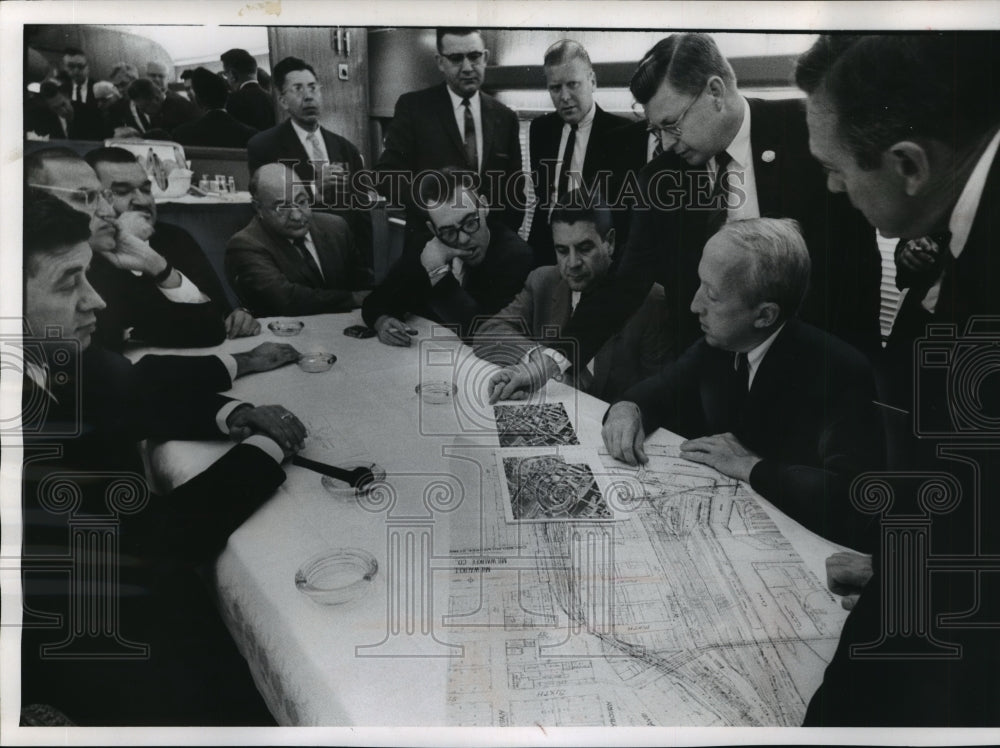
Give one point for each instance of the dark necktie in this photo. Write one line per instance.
(719, 198)
(77, 96)
(567, 161)
(471, 153)
(739, 388)
(300, 244)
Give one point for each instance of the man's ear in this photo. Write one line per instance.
(910, 163)
(716, 89)
(767, 315)
(609, 239)
(430, 227)
(439, 59)
(486, 57)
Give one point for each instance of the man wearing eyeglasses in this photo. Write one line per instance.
(725, 158)
(471, 267)
(323, 159)
(291, 260)
(454, 124)
(75, 63)
(148, 298)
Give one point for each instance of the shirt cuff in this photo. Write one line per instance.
(561, 361)
(229, 361)
(224, 412)
(186, 293)
(267, 444)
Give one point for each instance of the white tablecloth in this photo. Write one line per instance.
(313, 663)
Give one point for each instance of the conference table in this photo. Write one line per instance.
(670, 595)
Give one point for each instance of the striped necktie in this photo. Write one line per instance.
(471, 152)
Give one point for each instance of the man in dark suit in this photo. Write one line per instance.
(633, 146)
(322, 158)
(289, 260)
(216, 127)
(578, 123)
(763, 397)
(159, 285)
(248, 102)
(454, 124)
(900, 124)
(151, 112)
(584, 242)
(471, 267)
(52, 114)
(152, 637)
(74, 62)
(729, 158)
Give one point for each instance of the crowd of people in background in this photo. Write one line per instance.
(734, 299)
(221, 109)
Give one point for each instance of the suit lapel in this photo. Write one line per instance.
(487, 111)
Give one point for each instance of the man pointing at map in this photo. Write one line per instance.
(763, 397)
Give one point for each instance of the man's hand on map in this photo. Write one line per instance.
(519, 381)
(722, 452)
(623, 433)
(846, 574)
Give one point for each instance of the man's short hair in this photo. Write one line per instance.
(888, 88)
(286, 66)
(126, 67)
(564, 51)
(36, 162)
(239, 60)
(104, 89)
(576, 206)
(440, 187)
(50, 225)
(74, 52)
(142, 89)
(210, 90)
(109, 155)
(686, 60)
(185, 75)
(455, 31)
(777, 261)
(50, 89)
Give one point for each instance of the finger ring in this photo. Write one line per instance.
(286, 416)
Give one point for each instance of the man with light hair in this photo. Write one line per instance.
(763, 397)
(570, 146)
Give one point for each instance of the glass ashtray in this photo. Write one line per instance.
(316, 362)
(344, 490)
(436, 392)
(285, 328)
(337, 576)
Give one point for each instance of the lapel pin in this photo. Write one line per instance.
(767, 157)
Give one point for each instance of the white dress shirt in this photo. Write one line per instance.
(475, 105)
(756, 355)
(575, 171)
(741, 173)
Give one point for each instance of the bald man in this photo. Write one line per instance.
(290, 260)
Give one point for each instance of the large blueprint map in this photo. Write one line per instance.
(691, 609)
